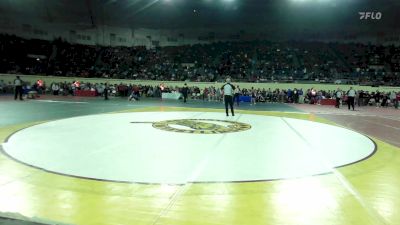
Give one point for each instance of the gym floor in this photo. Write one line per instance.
(68, 160)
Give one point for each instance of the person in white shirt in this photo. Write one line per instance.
(393, 99)
(351, 94)
(228, 89)
(338, 97)
(55, 88)
(18, 88)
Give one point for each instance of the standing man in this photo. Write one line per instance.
(2, 87)
(393, 99)
(301, 97)
(253, 94)
(228, 89)
(237, 95)
(338, 97)
(18, 88)
(351, 94)
(185, 92)
(105, 91)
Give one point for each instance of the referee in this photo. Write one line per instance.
(228, 89)
(18, 88)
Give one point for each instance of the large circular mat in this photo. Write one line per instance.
(181, 147)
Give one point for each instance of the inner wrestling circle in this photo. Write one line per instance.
(130, 147)
(201, 126)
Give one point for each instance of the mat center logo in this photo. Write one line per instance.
(201, 126)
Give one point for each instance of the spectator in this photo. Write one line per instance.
(338, 95)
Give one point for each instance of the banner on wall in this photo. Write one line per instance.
(33, 56)
(188, 65)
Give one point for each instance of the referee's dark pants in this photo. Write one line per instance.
(18, 92)
(229, 100)
(350, 102)
(185, 95)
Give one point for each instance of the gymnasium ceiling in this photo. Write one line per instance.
(216, 14)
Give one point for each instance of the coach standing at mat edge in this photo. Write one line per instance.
(185, 91)
(351, 94)
(228, 89)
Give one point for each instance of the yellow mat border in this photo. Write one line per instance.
(36, 193)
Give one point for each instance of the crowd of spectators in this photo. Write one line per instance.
(299, 96)
(211, 93)
(251, 61)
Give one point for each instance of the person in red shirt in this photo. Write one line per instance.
(135, 94)
(77, 85)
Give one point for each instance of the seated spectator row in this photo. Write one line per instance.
(211, 93)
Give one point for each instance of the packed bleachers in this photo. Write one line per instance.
(211, 93)
(255, 61)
